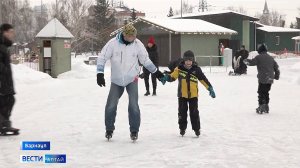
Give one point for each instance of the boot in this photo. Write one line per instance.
(134, 136)
(266, 108)
(109, 134)
(197, 132)
(182, 132)
(147, 93)
(154, 93)
(263, 108)
(7, 129)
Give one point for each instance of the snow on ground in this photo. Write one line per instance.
(25, 75)
(69, 112)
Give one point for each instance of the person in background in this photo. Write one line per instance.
(7, 92)
(153, 55)
(239, 66)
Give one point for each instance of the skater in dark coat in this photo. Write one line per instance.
(153, 55)
(188, 74)
(268, 70)
(7, 91)
(239, 58)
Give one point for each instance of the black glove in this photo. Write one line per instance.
(276, 76)
(100, 79)
(158, 75)
(142, 76)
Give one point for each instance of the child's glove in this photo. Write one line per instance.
(164, 79)
(212, 92)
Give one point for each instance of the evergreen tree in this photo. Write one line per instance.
(101, 24)
(171, 13)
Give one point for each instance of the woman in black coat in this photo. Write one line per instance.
(153, 55)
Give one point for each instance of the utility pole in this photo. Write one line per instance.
(133, 14)
(1, 8)
(41, 9)
(181, 9)
(56, 6)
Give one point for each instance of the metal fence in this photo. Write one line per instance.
(211, 67)
(32, 63)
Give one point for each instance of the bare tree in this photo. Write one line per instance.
(78, 16)
(59, 11)
(272, 19)
(41, 18)
(8, 11)
(186, 8)
(25, 28)
(239, 9)
(73, 14)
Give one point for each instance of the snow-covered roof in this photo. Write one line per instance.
(55, 29)
(277, 29)
(184, 26)
(215, 12)
(296, 38)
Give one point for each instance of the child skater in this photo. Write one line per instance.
(188, 73)
(268, 70)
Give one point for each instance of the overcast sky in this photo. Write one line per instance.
(160, 8)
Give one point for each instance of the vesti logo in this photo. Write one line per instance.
(61, 158)
(40, 145)
(31, 159)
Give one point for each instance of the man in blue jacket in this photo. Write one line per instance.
(125, 52)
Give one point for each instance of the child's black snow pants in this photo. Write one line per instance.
(192, 105)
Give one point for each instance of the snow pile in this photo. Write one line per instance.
(80, 70)
(25, 75)
(289, 70)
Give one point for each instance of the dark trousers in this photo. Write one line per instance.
(192, 105)
(146, 78)
(6, 105)
(263, 93)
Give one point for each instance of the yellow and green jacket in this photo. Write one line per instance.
(188, 80)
